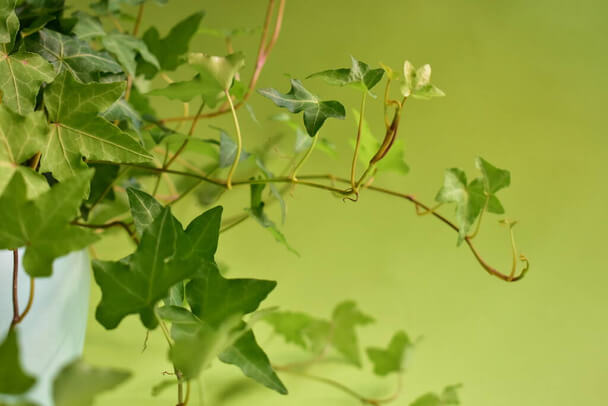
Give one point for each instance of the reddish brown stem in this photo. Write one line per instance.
(264, 50)
(15, 288)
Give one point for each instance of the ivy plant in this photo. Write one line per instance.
(84, 155)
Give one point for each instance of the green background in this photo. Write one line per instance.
(525, 83)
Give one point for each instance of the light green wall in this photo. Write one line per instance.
(526, 84)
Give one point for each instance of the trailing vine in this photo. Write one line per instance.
(83, 152)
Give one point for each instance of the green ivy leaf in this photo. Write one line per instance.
(346, 317)
(20, 138)
(87, 27)
(144, 209)
(169, 50)
(299, 99)
(77, 384)
(77, 130)
(228, 149)
(203, 85)
(494, 179)
(215, 299)
(126, 48)
(221, 68)
(257, 212)
(393, 357)
(13, 379)
(193, 353)
(300, 329)
(448, 397)
(43, 225)
(216, 302)
(246, 354)
(71, 54)
(23, 73)
(165, 256)
(393, 161)
(9, 23)
(469, 198)
(122, 111)
(359, 75)
(417, 82)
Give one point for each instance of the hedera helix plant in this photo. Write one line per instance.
(83, 152)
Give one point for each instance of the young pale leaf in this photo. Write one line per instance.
(169, 50)
(166, 255)
(77, 384)
(71, 54)
(393, 161)
(299, 99)
(77, 130)
(257, 212)
(43, 225)
(417, 82)
(20, 138)
(13, 379)
(246, 354)
(469, 198)
(359, 75)
(346, 317)
(392, 358)
(221, 68)
(126, 48)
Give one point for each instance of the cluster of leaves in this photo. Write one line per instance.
(80, 140)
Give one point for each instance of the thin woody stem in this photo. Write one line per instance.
(491, 270)
(263, 52)
(15, 288)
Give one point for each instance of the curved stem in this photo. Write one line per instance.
(239, 142)
(111, 224)
(312, 146)
(353, 168)
(30, 300)
(340, 386)
(478, 226)
(491, 270)
(263, 52)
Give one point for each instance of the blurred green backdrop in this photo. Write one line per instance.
(525, 82)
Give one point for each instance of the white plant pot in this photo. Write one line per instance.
(53, 332)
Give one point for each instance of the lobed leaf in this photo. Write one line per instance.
(43, 225)
(359, 75)
(77, 384)
(299, 99)
(393, 357)
(13, 379)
